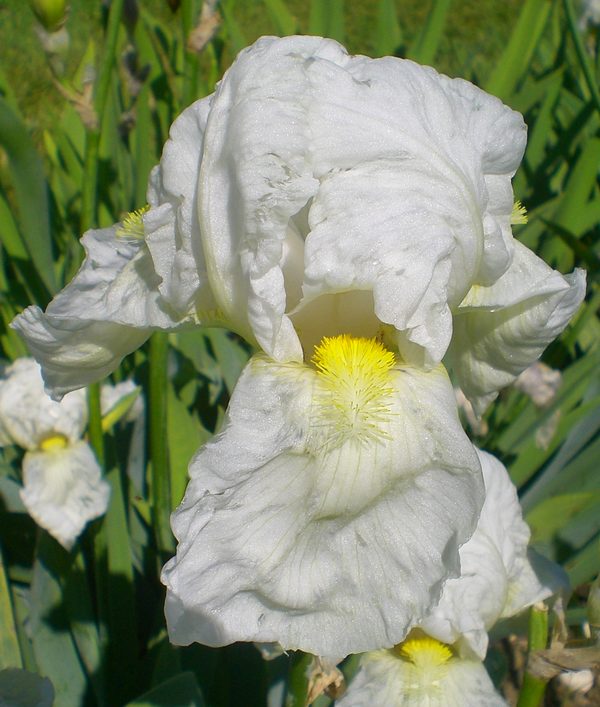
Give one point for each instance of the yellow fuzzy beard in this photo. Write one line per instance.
(354, 389)
(424, 652)
(426, 665)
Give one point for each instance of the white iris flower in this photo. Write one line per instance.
(439, 665)
(338, 192)
(330, 509)
(62, 484)
(317, 193)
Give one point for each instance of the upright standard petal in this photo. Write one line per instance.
(63, 490)
(421, 672)
(501, 330)
(325, 177)
(28, 417)
(329, 511)
(173, 233)
(497, 578)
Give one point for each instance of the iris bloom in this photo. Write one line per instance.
(62, 484)
(439, 665)
(328, 512)
(420, 672)
(317, 193)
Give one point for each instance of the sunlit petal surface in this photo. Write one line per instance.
(328, 512)
(325, 174)
(500, 330)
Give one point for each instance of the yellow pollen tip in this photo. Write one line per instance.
(354, 385)
(54, 443)
(424, 652)
(132, 225)
(340, 356)
(519, 214)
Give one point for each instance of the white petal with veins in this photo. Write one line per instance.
(389, 679)
(501, 330)
(323, 517)
(173, 233)
(325, 173)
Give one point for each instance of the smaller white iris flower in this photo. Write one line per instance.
(440, 663)
(329, 511)
(420, 672)
(63, 488)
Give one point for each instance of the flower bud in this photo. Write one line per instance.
(51, 14)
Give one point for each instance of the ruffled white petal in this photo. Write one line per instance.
(172, 229)
(28, 416)
(104, 313)
(324, 173)
(63, 490)
(130, 284)
(502, 329)
(332, 550)
(76, 352)
(117, 283)
(497, 577)
(385, 680)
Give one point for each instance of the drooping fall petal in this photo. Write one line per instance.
(498, 577)
(328, 512)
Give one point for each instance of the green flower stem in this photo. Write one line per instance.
(297, 689)
(122, 653)
(582, 55)
(161, 496)
(533, 687)
(97, 546)
(90, 161)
